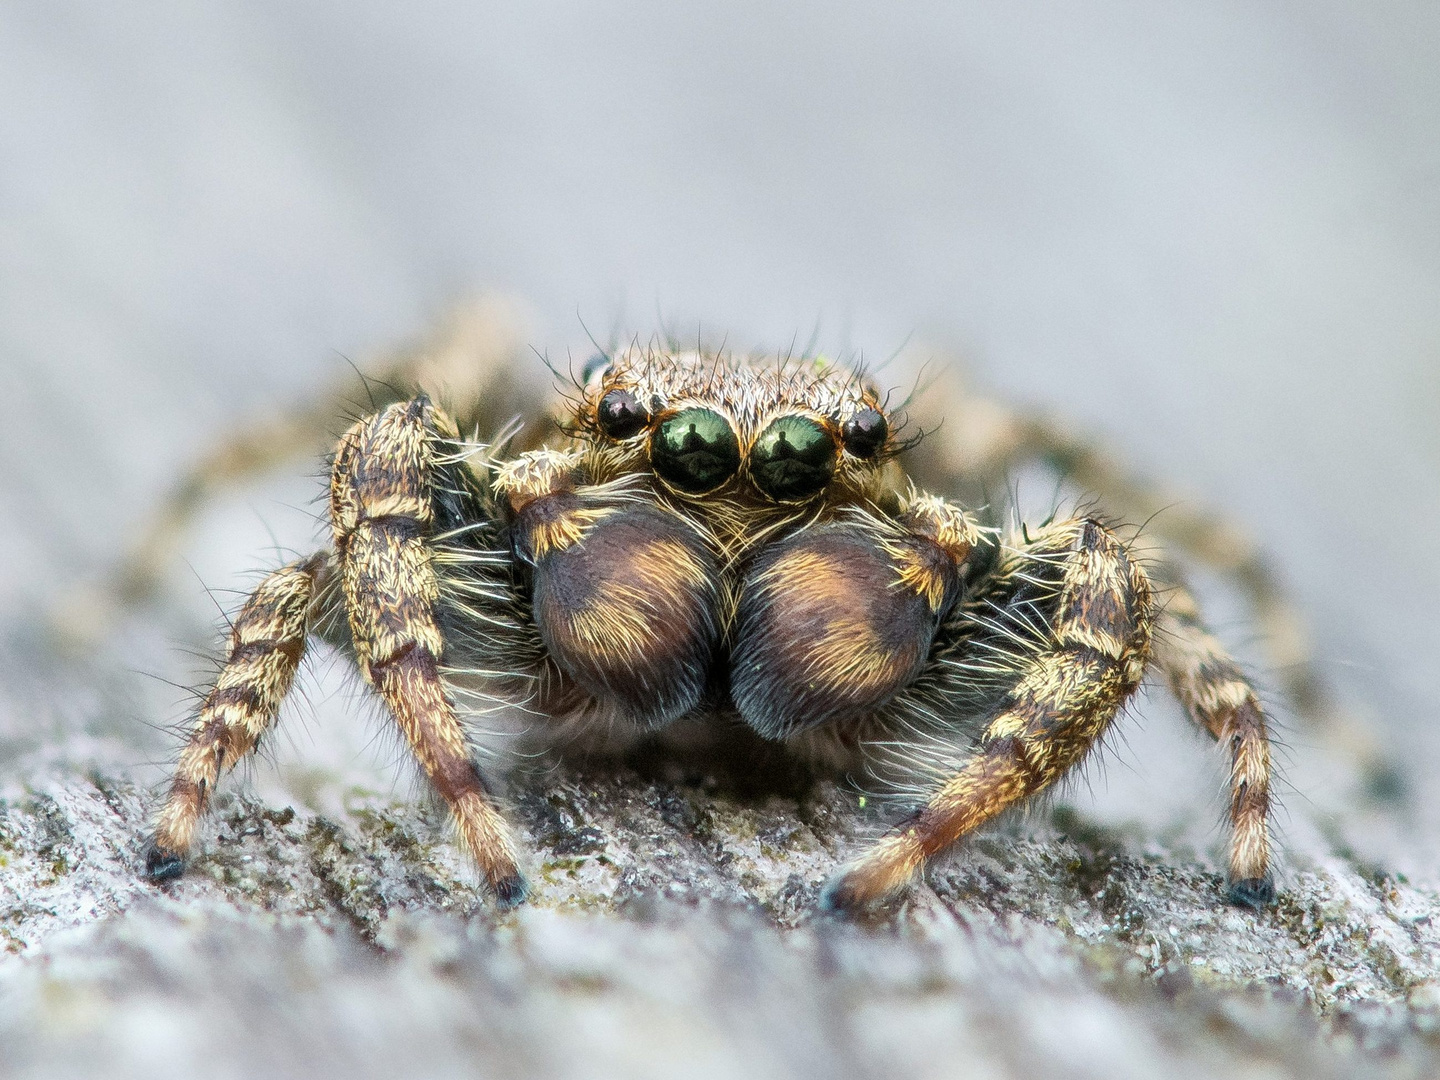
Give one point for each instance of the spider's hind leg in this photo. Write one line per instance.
(1222, 702)
(469, 362)
(1075, 615)
(267, 641)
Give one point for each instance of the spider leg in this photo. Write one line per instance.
(1221, 701)
(243, 455)
(467, 363)
(983, 443)
(1069, 683)
(382, 509)
(266, 644)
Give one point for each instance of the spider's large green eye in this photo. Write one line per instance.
(695, 450)
(793, 458)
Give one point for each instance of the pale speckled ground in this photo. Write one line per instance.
(672, 929)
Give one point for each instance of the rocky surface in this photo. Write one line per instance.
(672, 932)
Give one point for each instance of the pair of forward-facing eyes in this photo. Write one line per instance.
(696, 450)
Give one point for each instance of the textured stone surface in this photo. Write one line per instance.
(671, 931)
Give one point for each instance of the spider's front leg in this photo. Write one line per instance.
(1087, 612)
(382, 509)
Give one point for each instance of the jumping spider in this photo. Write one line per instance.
(733, 541)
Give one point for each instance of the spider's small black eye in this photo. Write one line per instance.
(865, 433)
(620, 416)
(793, 458)
(695, 450)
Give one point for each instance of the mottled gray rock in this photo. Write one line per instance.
(671, 932)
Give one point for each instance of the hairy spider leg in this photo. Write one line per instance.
(982, 444)
(266, 644)
(468, 363)
(1221, 701)
(382, 510)
(243, 455)
(1067, 692)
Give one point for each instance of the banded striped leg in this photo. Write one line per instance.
(1066, 694)
(266, 644)
(1204, 537)
(382, 511)
(469, 360)
(1221, 701)
(985, 443)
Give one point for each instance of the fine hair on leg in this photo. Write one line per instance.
(1071, 670)
(383, 511)
(267, 641)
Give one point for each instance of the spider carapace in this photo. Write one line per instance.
(734, 540)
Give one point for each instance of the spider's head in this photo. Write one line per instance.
(785, 432)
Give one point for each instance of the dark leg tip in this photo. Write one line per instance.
(1386, 784)
(510, 891)
(162, 864)
(839, 897)
(1254, 893)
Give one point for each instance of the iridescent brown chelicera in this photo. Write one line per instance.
(719, 540)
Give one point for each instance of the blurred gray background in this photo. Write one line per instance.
(1208, 232)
